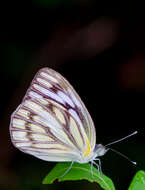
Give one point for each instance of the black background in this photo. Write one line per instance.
(99, 48)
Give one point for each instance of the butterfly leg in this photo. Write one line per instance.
(92, 170)
(98, 165)
(67, 170)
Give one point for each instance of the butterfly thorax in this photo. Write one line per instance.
(98, 151)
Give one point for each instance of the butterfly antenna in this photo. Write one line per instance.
(119, 153)
(114, 142)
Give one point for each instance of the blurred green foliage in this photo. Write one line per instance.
(138, 182)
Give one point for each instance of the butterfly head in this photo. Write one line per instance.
(100, 150)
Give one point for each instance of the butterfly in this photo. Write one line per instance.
(53, 124)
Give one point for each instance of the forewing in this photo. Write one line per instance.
(52, 108)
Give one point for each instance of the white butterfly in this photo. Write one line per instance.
(53, 124)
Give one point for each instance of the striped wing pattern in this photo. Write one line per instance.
(52, 123)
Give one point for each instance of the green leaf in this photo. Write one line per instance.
(138, 182)
(78, 172)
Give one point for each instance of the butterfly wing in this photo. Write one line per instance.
(52, 123)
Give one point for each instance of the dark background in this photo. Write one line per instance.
(100, 48)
